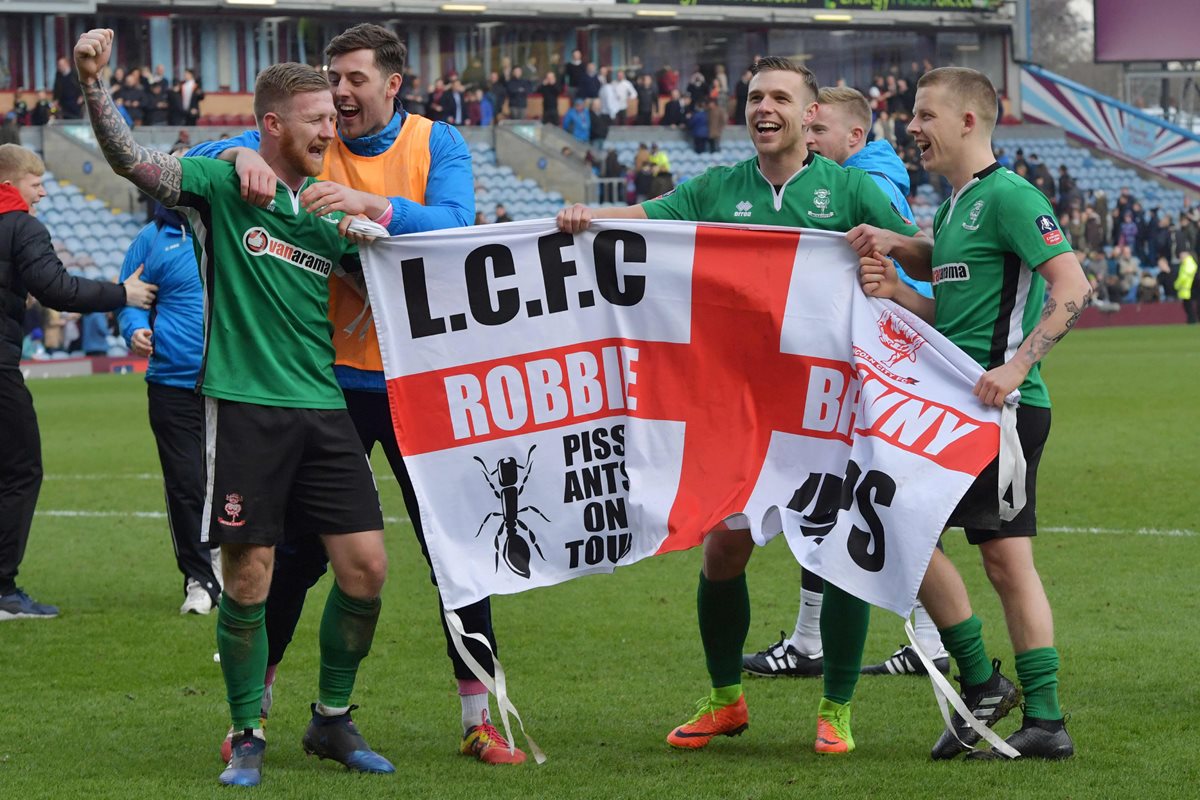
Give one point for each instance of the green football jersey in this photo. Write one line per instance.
(988, 241)
(821, 195)
(267, 335)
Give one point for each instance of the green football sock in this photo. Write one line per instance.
(242, 643)
(347, 630)
(725, 695)
(723, 608)
(844, 621)
(964, 641)
(1037, 670)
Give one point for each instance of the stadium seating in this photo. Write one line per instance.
(1091, 173)
(685, 162)
(1096, 172)
(90, 238)
(523, 198)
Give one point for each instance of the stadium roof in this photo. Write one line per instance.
(972, 14)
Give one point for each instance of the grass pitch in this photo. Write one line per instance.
(120, 696)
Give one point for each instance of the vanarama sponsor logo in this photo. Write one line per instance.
(258, 242)
(945, 273)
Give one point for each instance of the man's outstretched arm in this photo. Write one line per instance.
(157, 174)
(1070, 294)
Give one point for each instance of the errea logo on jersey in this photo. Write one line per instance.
(743, 209)
(948, 273)
(258, 242)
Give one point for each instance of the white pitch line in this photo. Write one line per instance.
(1172, 532)
(1116, 531)
(133, 476)
(107, 476)
(58, 512)
(92, 514)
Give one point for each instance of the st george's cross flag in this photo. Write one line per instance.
(569, 404)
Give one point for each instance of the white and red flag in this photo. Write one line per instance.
(570, 404)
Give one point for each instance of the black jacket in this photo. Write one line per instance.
(672, 114)
(647, 100)
(28, 265)
(68, 95)
(599, 125)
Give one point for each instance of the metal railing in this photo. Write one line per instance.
(605, 190)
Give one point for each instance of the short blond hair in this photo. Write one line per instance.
(970, 87)
(851, 100)
(279, 83)
(16, 162)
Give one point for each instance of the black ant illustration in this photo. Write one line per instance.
(514, 548)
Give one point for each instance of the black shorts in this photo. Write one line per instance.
(272, 469)
(978, 513)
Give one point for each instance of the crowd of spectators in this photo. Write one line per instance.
(1131, 253)
(143, 96)
(151, 98)
(586, 100)
(616, 95)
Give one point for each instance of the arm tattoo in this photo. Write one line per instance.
(1048, 309)
(1041, 340)
(157, 174)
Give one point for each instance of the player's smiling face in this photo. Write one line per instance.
(936, 127)
(779, 107)
(830, 133)
(362, 93)
(308, 130)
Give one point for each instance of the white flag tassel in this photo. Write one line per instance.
(498, 687)
(361, 319)
(1012, 464)
(368, 228)
(944, 693)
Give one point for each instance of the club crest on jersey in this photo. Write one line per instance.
(258, 242)
(743, 209)
(820, 201)
(946, 273)
(1048, 228)
(972, 221)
